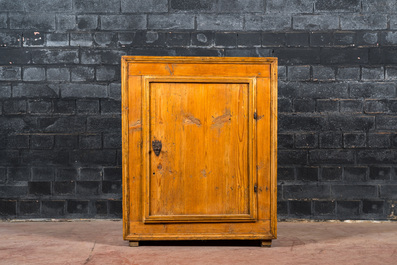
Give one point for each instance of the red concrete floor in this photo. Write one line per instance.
(100, 242)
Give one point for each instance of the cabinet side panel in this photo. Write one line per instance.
(133, 182)
(273, 121)
(124, 135)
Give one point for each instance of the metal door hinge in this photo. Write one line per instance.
(255, 116)
(256, 188)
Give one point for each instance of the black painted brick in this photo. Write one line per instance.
(297, 39)
(107, 73)
(88, 188)
(3, 175)
(53, 208)
(178, 39)
(301, 123)
(40, 188)
(338, 157)
(249, 39)
(226, 39)
(273, 39)
(57, 40)
(190, 5)
(14, 106)
(8, 208)
(348, 73)
(285, 141)
(323, 73)
(39, 106)
(82, 73)
(41, 141)
(351, 105)
(115, 208)
(87, 22)
(112, 173)
(379, 173)
(304, 105)
(17, 141)
(87, 106)
(377, 157)
(300, 208)
(94, 157)
(111, 140)
(284, 105)
(348, 209)
(367, 39)
(285, 174)
(306, 191)
(354, 191)
(15, 174)
(331, 173)
(388, 191)
(344, 56)
(110, 107)
(289, 157)
(103, 124)
(321, 39)
(354, 140)
(355, 174)
(290, 56)
(93, 141)
(66, 174)
(338, 5)
(379, 140)
(306, 140)
(43, 174)
(204, 38)
(282, 208)
(307, 173)
(91, 174)
(373, 207)
(330, 140)
(62, 106)
(77, 207)
(113, 187)
(29, 208)
(327, 105)
(324, 208)
(351, 123)
(298, 73)
(64, 187)
(101, 208)
(149, 6)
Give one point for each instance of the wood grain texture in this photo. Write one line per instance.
(214, 177)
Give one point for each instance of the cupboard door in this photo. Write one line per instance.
(198, 149)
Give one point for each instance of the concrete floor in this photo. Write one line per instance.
(100, 242)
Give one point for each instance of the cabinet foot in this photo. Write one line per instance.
(266, 243)
(134, 244)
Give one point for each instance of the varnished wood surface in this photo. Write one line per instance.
(215, 176)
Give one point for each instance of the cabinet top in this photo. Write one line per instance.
(191, 59)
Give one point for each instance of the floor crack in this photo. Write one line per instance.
(90, 255)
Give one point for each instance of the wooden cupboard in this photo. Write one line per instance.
(199, 142)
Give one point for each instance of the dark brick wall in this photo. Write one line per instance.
(60, 141)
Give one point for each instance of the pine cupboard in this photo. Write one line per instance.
(199, 145)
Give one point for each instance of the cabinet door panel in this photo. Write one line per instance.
(202, 166)
(202, 172)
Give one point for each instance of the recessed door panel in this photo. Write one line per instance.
(202, 171)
